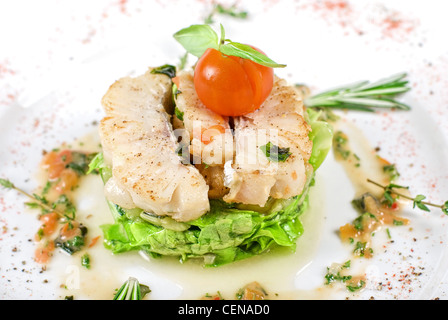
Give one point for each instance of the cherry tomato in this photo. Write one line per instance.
(231, 86)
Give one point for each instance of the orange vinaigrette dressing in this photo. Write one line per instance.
(361, 162)
(59, 174)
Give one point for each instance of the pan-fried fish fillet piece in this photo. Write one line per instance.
(211, 140)
(214, 177)
(139, 143)
(253, 177)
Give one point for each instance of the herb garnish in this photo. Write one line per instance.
(341, 148)
(352, 284)
(132, 290)
(74, 244)
(331, 277)
(231, 11)
(353, 288)
(179, 114)
(196, 39)
(85, 261)
(38, 201)
(166, 69)
(63, 208)
(391, 171)
(358, 223)
(363, 95)
(275, 153)
(390, 194)
(80, 162)
(340, 140)
(362, 249)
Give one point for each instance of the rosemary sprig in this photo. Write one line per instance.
(37, 199)
(417, 201)
(132, 290)
(363, 95)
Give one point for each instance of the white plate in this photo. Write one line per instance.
(52, 84)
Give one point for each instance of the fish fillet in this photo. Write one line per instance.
(211, 140)
(252, 177)
(139, 144)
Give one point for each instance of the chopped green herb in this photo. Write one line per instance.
(179, 114)
(46, 188)
(357, 164)
(85, 261)
(32, 205)
(183, 152)
(72, 245)
(175, 91)
(40, 233)
(64, 205)
(353, 288)
(388, 233)
(358, 223)
(361, 249)
(80, 162)
(391, 171)
(340, 140)
(166, 69)
(275, 153)
(332, 277)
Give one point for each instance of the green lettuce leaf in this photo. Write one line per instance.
(223, 235)
(322, 136)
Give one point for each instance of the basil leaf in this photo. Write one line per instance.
(197, 38)
(246, 52)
